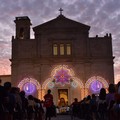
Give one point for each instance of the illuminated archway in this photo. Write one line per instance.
(29, 81)
(74, 81)
(65, 67)
(94, 84)
(98, 78)
(46, 82)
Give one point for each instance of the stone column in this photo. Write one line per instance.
(82, 93)
(85, 92)
(41, 93)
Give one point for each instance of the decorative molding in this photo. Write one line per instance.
(100, 79)
(27, 80)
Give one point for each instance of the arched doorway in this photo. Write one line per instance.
(30, 86)
(94, 84)
(64, 85)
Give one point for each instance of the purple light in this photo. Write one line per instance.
(29, 88)
(96, 86)
(62, 76)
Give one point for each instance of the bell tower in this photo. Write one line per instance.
(22, 27)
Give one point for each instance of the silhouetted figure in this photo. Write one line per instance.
(93, 105)
(102, 105)
(117, 103)
(111, 95)
(39, 112)
(110, 100)
(31, 107)
(87, 108)
(8, 102)
(49, 105)
(24, 105)
(1, 100)
(75, 108)
(18, 103)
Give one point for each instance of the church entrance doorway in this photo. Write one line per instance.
(65, 86)
(63, 97)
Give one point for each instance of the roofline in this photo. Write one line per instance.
(87, 26)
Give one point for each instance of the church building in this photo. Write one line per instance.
(61, 57)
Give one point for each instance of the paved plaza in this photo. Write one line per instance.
(64, 117)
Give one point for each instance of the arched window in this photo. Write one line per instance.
(21, 35)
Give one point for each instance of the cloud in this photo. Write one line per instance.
(5, 67)
(102, 15)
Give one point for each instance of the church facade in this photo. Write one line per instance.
(62, 57)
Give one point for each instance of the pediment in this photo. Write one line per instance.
(61, 22)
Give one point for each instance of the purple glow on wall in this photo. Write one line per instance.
(96, 86)
(29, 88)
(62, 76)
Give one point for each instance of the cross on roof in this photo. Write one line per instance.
(61, 10)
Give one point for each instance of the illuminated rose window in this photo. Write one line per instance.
(62, 76)
(96, 86)
(29, 88)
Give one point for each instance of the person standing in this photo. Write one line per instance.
(8, 101)
(102, 105)
(1, 100)
(75, 108)
(48, 103)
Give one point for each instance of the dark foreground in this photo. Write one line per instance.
(64, 117)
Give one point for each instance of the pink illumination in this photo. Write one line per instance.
(62, 76)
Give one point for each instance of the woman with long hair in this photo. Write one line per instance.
(102, 105)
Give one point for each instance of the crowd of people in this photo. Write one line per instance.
(105, 106)
(15, 106)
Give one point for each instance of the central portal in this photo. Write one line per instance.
(63, 97)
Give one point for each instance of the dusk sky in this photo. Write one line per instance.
(102, 15)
